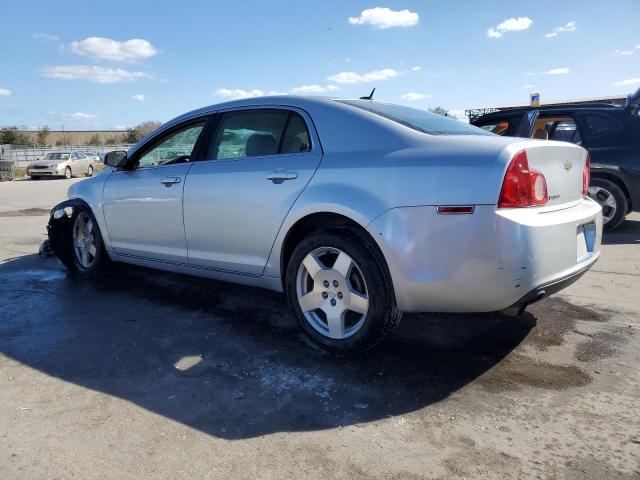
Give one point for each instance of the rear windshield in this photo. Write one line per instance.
(420, 120)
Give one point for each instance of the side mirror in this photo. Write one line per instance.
(116, 159)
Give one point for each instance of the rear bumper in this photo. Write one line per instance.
(490, 260)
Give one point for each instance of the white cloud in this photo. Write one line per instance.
(74, 116)
(353, 77)
(5, 92)
(139, 97)
(413, 96)
(629, 81)
(416, 68)
(527, 87)
(314, 89)
(638, 47)
(82, 116)
(237, 93)
(509, 25)
(557, 71)
(623, 52)
(45, 37)
(568, 27)
(113, 50)
(92, 73)
(383, 18)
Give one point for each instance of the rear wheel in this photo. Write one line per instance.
(340, 292)
(612, 200)
(67, 173)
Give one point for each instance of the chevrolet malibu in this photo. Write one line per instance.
(358, 210)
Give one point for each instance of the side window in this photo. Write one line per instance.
(296, 138)
(565, 131)
(175, 147)
(499, 128)
(257, 133)
(249, 133)
(600, 125)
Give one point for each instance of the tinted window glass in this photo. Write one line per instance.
(296, 138)
(600, 125)
(249, 133)
(174, 147)
(420, 120)
(499, 128)
(565, 131)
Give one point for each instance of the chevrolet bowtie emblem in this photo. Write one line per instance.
(568, 165)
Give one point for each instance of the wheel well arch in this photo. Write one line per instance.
(614, 178)
(322, 221)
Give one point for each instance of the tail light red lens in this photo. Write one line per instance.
(586, 176)
(522, 186)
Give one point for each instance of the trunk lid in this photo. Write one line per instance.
(561, 164)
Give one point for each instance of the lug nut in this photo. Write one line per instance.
(325, 294)
(340, 295)
(333, 302)
(335, 283)
(326, 283)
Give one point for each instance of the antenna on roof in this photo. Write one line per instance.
(370, 97)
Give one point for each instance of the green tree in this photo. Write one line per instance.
(94, 140)
(42, 135)
(440, 111)
(134, 134)
(14, 136)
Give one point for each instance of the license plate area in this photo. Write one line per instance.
(586, 240)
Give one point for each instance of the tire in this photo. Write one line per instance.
(97, 259)
(35, 177)
(612, 199)
(366, 278)
(67, 173)
(90, 171)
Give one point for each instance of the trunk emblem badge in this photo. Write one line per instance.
(568, 165)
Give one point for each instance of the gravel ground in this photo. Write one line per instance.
(153, 375)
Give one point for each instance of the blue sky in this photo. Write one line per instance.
(73, 63)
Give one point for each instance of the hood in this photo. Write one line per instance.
(46, 163)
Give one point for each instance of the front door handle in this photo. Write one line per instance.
(170, 180)
(279, 175)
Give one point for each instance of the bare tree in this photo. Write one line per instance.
(41, 137)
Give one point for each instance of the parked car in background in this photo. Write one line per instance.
(358, 210)
(93, 156)
(610, 133)
(61, 164)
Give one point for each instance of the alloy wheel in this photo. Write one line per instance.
(332, 293)
(606, 200)
(84, 244)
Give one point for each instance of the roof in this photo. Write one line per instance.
(613, 101)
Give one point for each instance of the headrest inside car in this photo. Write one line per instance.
(260, 144)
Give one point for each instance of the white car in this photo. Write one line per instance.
(358, 210)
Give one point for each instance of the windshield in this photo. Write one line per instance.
(57, 156)
(420, 120)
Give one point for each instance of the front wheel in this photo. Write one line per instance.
(340, 292)
(89, 256)
(90, 171)
(612, 200)
(67, 173)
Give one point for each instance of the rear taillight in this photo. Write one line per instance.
(586, 176)
(522, 186)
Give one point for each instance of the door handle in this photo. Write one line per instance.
(170, 180)
(279, 175)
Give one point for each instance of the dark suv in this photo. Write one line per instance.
(611, 134)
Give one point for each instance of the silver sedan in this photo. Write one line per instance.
(357, 210)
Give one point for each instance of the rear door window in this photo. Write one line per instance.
(259, 133)
(598, 125)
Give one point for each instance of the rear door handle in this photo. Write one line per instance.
(279, 175)
(170, 180)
